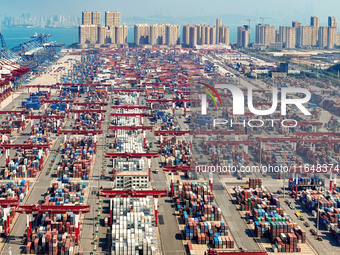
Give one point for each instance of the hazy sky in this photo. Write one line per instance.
(274, 11)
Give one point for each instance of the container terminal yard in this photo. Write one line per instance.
(103, 152)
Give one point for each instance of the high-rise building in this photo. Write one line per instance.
(121, 35)
(282, 34)
(314, 21)
(315, 36)
(277, 34)
(307, 36)
(86, 18)
(203, 34)
(192, 36)
(304, 36)
(200, 31)
(212, 35)
(290, 38)
(207, 36)
(93, 35)
(218, 25)
(287, 36)
(157, 34)
(90, 32)
(116, 18)
(173, 33)
(82, 34)
(296, 24)
(223, 34)
(108, 19)
(112, 19)
(332, 22)
(323, 37)
(142, 34)
(111, 35)
(243, 36)
(265, 34)
(186, 34)
(96, 18)
(101, 34)
(332, 37)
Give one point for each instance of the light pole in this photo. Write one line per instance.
(284, 188)
(317, 218)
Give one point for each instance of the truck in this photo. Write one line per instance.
(300, 217)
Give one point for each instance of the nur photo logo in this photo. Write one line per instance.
(238, 99)
(204, 98)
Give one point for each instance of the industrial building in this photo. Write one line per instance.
(131, 179)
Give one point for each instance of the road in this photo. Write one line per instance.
(94, 234)
(170, 235)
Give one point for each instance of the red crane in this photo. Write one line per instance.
(218, 132)
(52, 209)
(43, 101)
(5, 131)
(134, 193)
(22, 112)
(129, 114)
(169, 132)
(127, 90)
(80, 132)
(234, 143)
(38, 117)
(87, 110)
(92, 85)
(130, 127)
(129, 106)
(25, 146)
(141, 115)
(144, 128)
(132, 155)
(90, 103)
(6, 204)
(316, 134)
(176, 169)
(221, 252)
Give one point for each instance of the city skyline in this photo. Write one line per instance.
(92, 32)
(233, 13)
(232, 30)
